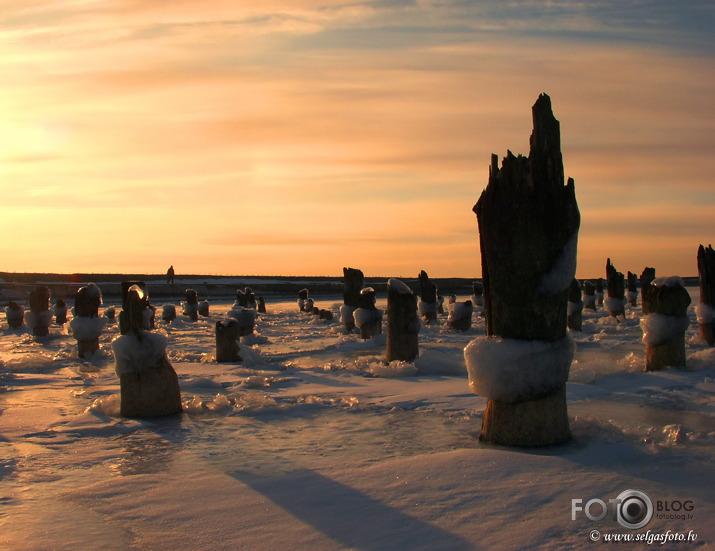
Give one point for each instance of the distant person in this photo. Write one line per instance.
(170, 275)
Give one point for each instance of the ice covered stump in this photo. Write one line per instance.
(615, 303)
(14, 314)
(168, 313)
(706, 309)
(459, 315)
(190, 307)
(666, 302)
(367, 317)
(428, 304)
(403, 323)
(40, 316)
(227, 337)
(60, 312)
(515, 370)
(87, 325)
(245, 319)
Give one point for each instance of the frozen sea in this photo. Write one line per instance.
(312, 443)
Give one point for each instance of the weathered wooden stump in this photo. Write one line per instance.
(353, 283)
(227, 337)
(168, 313)
(110, 313)
(665, 324)
(241, 298)
(136, 288)
(87, 325)
(367, 317)
(589, 295)
(632, 289)
(15, 315)
(459, 314)
(191, 305)
(477, 293)
(325, 315)
(705, 310)
(148, 383)
(528, 233)
(599, 291)
(647, 277)
(574, 314)
(203, 308)
(60, 312)
(428, 305)
(261, 305)
(245, 319)
(302, 299)
(615, 303)
(250, 298)
(440, 304)
(40, 316)
(403, 323)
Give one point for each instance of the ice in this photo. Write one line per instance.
(86, 328)
(315, 441)
(704, 313)
(513, 370)
(659, 328)
(134, 352)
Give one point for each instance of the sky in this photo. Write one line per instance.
(297, 137)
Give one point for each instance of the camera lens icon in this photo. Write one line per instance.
(634, 509)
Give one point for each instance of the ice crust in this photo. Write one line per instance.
(363, 316)
(659, 328)
(86, 328)
(134, 354)
(514, 370)
(399, 287)
(459, 311)
(41, 319)
(573, 307)
(347, 314)
(670, 281)
(425, 308)
(614, 305)
(562, 272)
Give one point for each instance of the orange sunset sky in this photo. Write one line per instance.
(297, 137)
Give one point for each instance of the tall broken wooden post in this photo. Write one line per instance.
(705, 310)
(403, 323)
(665, 324)
(428, 304)
(148, 383)
(647, 276)
(589, 295)
(353, 282)
(367, 317)
(528, 233)
(615, 303)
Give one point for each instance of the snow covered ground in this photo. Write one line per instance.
(311, 443)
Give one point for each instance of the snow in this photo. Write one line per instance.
(573, 307)
(42, 318)
(347, 314)
(312, 442)
(513, 370)
(659, 328)
(704, 313)
(670, 281)
(424, 307)
(135, 353)
(459, 310)
(562, 272)
(364, 316)
(399, 287)
(87, 328)
(614, 305)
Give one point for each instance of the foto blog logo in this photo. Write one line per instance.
(632, 509)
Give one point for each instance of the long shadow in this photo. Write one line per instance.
(348, 516)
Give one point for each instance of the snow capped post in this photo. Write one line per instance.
(367, 317)
(149, 386)
(589, 295)
(632, 288)
(403, 323)
(15, 315)
(615, 303)
(168, 313)
(303, 299)
(124, 320)
(250, 298)
(428, 304)
(477, 293)
(261, 305)
(87, 324)
(574, 314)
(60, 312)
(40, 316)
(665, 324)
(191, 305)
(203, 308)
(459, 314)
(647, 276)
(705, 310)
(353, 283)
(528, 233)
(227, 337)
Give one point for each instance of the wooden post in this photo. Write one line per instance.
(665, 324)
(261, 305)
(40, 316)
(227, 337)
(250, 298)
(428, 305)
(599, 291)
(168, 313)
(477, 293)
(191, 306)
(149, 386)
(574, 315)
(528, 231)
(589, 295)
(403, 323)
(353, 283)
(632, 289)
(459, 316)
(203, 308)
(615, 304)
(647, 276)
(15, 315)
(302, 299)
(60, 312)
(367, 317)
(87, 325)
(705, 310)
